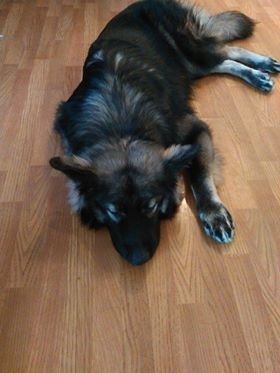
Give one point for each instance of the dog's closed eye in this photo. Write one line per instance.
(113, 213)
(153, 204)
(152, 207)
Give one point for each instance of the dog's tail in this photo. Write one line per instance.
(228, 26)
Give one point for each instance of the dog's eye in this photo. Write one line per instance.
(113, 213)
(111, 208)
(152, 206)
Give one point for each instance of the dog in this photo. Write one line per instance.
(128, 131)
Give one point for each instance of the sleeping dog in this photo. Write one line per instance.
(128, 131)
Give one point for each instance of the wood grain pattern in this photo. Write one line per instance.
(68, 302)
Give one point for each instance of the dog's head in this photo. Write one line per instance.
(129, 187)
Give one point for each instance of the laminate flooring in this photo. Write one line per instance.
(68, 302)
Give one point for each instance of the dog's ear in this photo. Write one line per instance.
(177, 157)
(74, 167)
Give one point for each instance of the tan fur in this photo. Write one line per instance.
(226, 26)
(80, 161)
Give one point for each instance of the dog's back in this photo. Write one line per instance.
(143, 63)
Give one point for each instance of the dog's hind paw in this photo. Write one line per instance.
(259, 80)
(218, 223)
(270, 65)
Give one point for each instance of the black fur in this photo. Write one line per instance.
(126, 127)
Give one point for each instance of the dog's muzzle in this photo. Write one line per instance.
(136, 238)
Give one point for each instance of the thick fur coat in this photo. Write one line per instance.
(128, 131)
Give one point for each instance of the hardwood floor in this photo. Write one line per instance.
(68, 302)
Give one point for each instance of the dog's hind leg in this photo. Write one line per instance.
(254, 60)
(256, 78)
(216, 219)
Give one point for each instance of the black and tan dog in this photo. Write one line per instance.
(128, 130)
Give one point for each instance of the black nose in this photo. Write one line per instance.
(138, 257)
(136, 242)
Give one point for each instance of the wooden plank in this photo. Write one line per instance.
(68, 301)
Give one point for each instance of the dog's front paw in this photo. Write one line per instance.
(217, 223)
(270, 65)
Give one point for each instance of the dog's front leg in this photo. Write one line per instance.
(216, 219)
